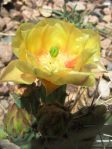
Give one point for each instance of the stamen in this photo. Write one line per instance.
(71, 63)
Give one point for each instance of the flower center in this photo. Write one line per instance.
(52, 64)
(54, 51)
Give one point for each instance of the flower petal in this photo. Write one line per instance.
(18, 42)
(12, 73)
(77, 78)
(50, 87)
(91, 54)
(38, 41)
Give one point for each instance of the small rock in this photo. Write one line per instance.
(85, 21)
(50, 4)
(45, 11)
(18, 4)
(106, 77)
(107, 3)
(29, 3)
(12, 25)
(101, 25)
(6, 20)
(69, 6)
(97, 12)
(109, 66)
(2, 24)
(104, 61)
(5, 2)
(14, 13)
(5, 52)
(98, 2)
(26, 13)
(90, 6)
(35, 14)
(4, 89)
(58, 3)
(72, 96)
(39, 3)
(1, 97)
(4, 103)
(104, 89)
(4, 12)
(110, 75)
(107, 11)
(103, 52)
(70, 88)
(80, 6)
(107, 18)
(93, 19)
(6, 40)
(105, 43)
(1, 64)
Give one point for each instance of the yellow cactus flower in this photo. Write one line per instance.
(54, 51)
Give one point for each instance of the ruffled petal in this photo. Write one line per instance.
(91, 52)
(45, 35)
(19, 41)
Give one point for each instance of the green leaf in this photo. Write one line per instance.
(3, 134)
(26, 146)
(17, 99)
(57, 95)
(108, 118)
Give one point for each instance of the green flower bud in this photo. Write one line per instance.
(17, 121)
